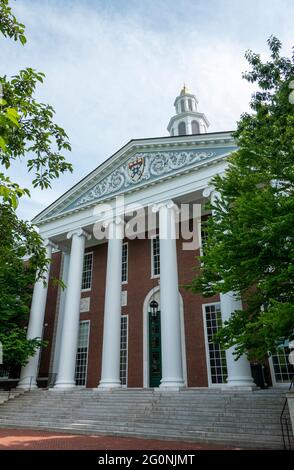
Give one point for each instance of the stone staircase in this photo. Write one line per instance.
(6, 395)
(245, 419)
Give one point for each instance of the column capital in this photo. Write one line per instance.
(211, 193)
(80, 232)
(169, 204)
(207, 192)
(48, 243)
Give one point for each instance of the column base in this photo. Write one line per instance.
(171, 385)
(27, 384)
(239, 388)
(64, 386)
(106, 385)
(240, 384)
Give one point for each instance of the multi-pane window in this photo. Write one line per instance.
(124, 350)
(82, 353)
(87, 271)
(216, 355)
(155, 252)
(204, 236)
(124, 273)
(282, 368)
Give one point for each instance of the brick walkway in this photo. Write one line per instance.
(17, 439)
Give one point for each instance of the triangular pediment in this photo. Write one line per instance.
(136, 165)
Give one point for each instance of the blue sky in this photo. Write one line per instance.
(114, 67)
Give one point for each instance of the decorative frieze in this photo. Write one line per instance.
(143, 167)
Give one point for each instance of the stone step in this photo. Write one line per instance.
(175, 398)
(243, 441)
(146, 430)
(149, 421)
(249, 418)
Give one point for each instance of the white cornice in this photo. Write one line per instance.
(170, 188)
(177, 143)
(195, 114)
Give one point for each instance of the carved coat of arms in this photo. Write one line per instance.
(136, 168)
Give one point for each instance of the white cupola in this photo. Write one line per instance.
(187, 119)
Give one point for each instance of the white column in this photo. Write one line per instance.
(71, 321)
(58, 337)
(239, 372)
(171, 348)
(29, 372)
(110, 374)
(189, 126)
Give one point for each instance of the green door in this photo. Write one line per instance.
(155, 372)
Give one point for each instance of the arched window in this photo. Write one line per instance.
(182, 106)
(182, 128)
(190, 105)
(172, 132)
(195, 127)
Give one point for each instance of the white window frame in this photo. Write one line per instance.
(127, 264)
(210, 383)
(88, 289)
(127, 349)
(154, 276)
(88, 343)
(201, 238)
(273, 376)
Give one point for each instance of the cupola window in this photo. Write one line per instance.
(195, 127)
(182, 128)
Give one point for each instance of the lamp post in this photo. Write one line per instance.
(154, 308)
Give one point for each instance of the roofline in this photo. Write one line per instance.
(119, 150)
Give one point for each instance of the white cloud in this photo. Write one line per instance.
(113, 76)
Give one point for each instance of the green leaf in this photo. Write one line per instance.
(249, 247)
(22, 39)
(2, 143)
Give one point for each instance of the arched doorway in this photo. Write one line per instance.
(152, 340)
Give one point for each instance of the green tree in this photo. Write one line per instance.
(250, 238)
(27, 133)
(18, 239)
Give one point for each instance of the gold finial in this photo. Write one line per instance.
(184, 90)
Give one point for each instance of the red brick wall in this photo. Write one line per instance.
(50, 314)
(96, 313)
(138, 286)
(194, 328)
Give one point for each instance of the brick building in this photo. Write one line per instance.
(125, 318)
